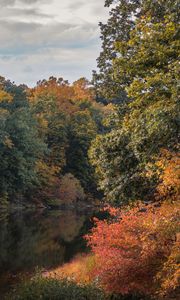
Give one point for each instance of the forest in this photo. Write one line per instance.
(113, 142)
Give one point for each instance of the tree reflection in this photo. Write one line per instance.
(43, 238)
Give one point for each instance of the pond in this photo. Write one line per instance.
(39, 239)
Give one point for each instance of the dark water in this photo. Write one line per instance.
(43, 239)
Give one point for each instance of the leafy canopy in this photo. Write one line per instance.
(147, 67)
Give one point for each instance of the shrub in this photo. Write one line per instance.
(70, 189)
(134, 252)
(54, 289)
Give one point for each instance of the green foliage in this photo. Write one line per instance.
(81, 131)
(118, 28)
(68, 119)
(45, 133)
(147, 67)
(20, 145)
(51, 124)
(53, 289)
(117, 167)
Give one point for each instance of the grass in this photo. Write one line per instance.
(54, 289)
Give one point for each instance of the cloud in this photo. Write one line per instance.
(70, 64)
(7, 2)
(29, 1)
(20, 37)
(13, 2)
(76, 5)
(40, 38)
(27, 12)
(27, 69)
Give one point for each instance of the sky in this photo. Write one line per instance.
(43, 38)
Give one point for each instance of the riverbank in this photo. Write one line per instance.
(51, 204)
(34, 238)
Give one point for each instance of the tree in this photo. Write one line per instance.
(70, 189)
(82, 90)
(82, 130)
(148, 62)
(169, 165)
(20, 145)
(68, 119)
(122, 20)
(51, 106)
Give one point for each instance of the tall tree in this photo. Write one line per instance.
(82, 130)
(122, 20)
(147, 67)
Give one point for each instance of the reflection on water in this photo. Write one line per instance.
(43, 239)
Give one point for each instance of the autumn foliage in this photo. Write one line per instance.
(78, 270)
(137, 251)
(169, 164)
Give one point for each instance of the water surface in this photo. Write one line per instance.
(39, 239)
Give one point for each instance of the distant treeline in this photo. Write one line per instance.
(45, 133)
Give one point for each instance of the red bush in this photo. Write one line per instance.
(132, 249)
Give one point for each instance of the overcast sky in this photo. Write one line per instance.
(40, 38)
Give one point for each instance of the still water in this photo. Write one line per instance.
(44, 239)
